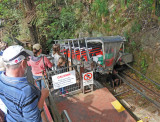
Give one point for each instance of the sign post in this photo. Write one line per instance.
(88, 80)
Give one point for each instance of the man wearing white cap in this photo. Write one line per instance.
(23, 100)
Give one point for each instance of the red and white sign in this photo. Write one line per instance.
(88, 78)
(64, 79)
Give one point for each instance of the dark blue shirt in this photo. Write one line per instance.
(1, 52)
(21, 99)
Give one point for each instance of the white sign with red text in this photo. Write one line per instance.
(64, 79)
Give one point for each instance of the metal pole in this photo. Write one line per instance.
(81, 74)
(75, 56)
(79, 49)
(87, 52)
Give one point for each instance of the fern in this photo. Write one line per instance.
(100, 7)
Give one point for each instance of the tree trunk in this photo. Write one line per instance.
(33, 33)
(43, 42)
(157, 8)
(125, 2)
(30, 10)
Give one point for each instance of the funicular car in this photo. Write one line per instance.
(105, 52)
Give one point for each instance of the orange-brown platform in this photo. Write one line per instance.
(93, 107)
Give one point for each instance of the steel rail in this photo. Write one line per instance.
(122, 93)
(142, 74)
(141, 84)
(157, 104)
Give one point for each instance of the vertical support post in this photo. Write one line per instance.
(87, 52)
(92, 68)
(67, 59)
(81, 74)
(79, 48)
(123, 47)
(70, 49)
(103, 55)
(75, 56)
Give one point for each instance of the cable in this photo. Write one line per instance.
(141, 84)
(142, 74)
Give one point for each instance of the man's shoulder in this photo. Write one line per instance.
(14, 83)
(30, 89)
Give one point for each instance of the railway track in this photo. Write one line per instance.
(141, 89)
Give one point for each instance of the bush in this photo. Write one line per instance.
(136, 27)
(126, 35)
(100, 7)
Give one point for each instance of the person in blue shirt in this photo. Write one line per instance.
(23, 100)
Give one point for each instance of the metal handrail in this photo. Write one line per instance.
(65, 115)
(53, 108)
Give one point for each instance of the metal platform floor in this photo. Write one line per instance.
(97, 106)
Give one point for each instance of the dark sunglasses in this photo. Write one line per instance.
(27, 59)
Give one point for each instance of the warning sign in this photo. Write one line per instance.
(64, 79)
(88, 78)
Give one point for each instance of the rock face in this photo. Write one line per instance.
(151, 39)
(147, 47)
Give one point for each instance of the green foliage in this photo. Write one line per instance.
(100, 7)
(133, 43)
(8, 40)
(65, 18)
(128, 2)
(136, 27)
(63, 27)
(10, 12)
(118, 20)
(126, 35)
(107, 27)
(143, 66)
(145, 5)
(122, 3)
(157, 8)
(158, 87)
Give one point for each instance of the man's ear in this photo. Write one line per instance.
(24, 63)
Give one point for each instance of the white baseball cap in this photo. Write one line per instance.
(15, 54)
(37, 46)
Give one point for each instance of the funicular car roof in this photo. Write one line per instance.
(92, 40)
(106, 39)
(97, 39)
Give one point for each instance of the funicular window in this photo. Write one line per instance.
(82, 50)
(111, 52)
(64, 48)
(94, 48)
